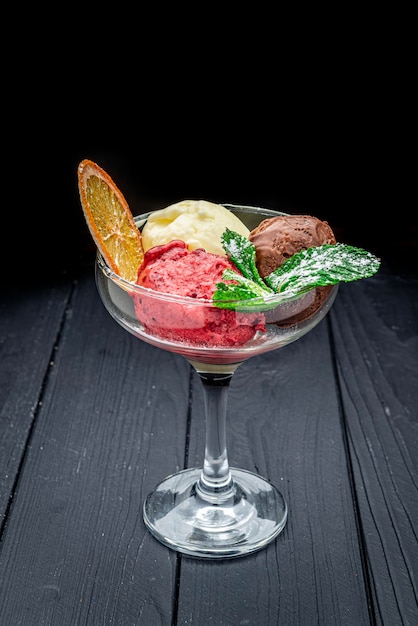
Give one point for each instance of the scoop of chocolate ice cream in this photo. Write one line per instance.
(278, 238)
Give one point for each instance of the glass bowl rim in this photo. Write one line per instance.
(258, 303)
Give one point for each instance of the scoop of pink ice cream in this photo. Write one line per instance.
(173, 269)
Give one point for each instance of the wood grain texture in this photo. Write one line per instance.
(75, 549)
(92, 418)
(29, 327)
(376, 338)
(284, 423)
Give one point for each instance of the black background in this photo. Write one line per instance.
(321, 128)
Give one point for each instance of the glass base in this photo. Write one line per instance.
(235, 522)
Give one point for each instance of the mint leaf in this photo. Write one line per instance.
(246, 283)
(242, 289)
(235, 297)
(315, 267)
(321, 266)
(242, 253)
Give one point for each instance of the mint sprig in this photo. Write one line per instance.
(322, 266)
(249, 285)
(242, 252)
(315, 267)
(227, 295)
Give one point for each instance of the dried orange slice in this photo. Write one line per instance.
(110, 220)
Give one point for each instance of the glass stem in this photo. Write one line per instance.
(215, 483)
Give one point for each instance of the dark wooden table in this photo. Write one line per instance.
(91, 418)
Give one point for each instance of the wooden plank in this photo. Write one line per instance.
(112, 424)
(30, 320)
(376, 337)
(284, 422)
(75, 549)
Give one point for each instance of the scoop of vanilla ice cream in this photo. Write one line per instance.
(198, 223)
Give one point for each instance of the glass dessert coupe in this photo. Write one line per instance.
(214, 511)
